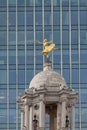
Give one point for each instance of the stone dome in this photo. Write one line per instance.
(48, 78)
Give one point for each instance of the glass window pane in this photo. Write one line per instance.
(12, 76)
(38, 18)
(83, 75)
(83, 56)
(21, 38)
(3, 19)
(3, 2)
(12, 2)
(21, 18)
(21, 76)
(83, 37)
(12, 37)
(83, 2)
(74, 2)
(38, 2)
(56, 18)
(65, 18)
(56, 2)
(74, 37)
(74, 17)
(83, 17)
(20, 2)
(75, 75)
(12, 18)
(3, 76)
(29, 2)
(65, 37)
(47, 18)
(3, 37)
(29, 18)
(47, 2)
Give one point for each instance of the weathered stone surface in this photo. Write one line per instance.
(48, 77)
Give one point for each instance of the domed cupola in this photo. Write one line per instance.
(48, 78)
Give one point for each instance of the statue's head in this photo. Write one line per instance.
(45, 40)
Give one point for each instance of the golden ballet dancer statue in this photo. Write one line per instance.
(48, 48)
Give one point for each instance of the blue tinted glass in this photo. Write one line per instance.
(3, 76)
(65, 18)
(83, 2)
(56, 18)
(65, 2)
(83, 75)
(65, 37)
(20, 38)
(29, 2)
(39, 36)
(21, 18)
(3, 37)
(47, 2)
(65, 56)
(47, 18)
(12, 57)
(83, 36)
(74, 17)
(74, 2)
(38, 18)
(38, 2)
(21, 57)
(3, 2)
(3, 18)
(30, 58)
(56, 38)
(83, 55)
(75, 75)
(12, 115)
(12, 95)
(12, 18)
(20, 2)
(48, 35)
(12, 76)
(74, 56)
(29, 18)
(12, 2)
(12, 37)
(74, 37)
(30, 37)
(83, 17)
(56, 2)
(21, 76)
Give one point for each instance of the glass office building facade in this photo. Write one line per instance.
(22, 23)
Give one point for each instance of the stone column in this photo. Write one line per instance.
(22, 119)
(63, 115)
(31, 118)
(72, 118)
(42, 115)
(58, 116)
(26, 117)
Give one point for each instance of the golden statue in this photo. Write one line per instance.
(48, 48)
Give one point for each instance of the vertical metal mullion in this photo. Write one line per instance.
(52, 27)
(25, 44)
(61, 36)
(43, 22)
(70, 48)
(34, 41)
(80, 120)
(7, 66)
(16, 66)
